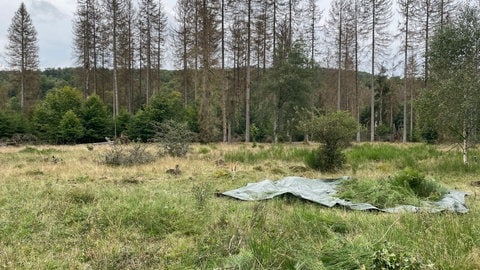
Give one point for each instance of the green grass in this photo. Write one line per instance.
(274, 152)
(402, 156)
(408, 187)
(80, 214)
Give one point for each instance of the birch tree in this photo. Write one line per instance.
(450, 104)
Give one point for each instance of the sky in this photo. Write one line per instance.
(53, 21)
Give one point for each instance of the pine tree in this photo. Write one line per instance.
(22, 54)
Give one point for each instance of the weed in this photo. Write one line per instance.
(388, 257)
(201, 194)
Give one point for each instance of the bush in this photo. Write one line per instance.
(174, 138)
(325, 159)
(120, 155)
(335, 130)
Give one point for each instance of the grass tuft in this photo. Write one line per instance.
(409, 187)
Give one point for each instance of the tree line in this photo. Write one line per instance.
(251, 69)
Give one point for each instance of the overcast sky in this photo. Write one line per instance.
(53, 21)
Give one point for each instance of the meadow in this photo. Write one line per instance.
(61, 207)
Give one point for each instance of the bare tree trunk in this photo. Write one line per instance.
(247, 89)
(339, 79)
(405, 73)
(372, 80)
(115, 79)
(224, 80)
(357, 106)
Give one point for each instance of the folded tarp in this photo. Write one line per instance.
(323, 191)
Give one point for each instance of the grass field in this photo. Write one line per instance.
(60, 208)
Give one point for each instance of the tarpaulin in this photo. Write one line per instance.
(322, 191)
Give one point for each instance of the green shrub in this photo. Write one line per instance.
(335, 131)
(174, 137)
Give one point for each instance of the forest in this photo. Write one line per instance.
(249, 71)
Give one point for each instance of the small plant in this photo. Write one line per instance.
(174, 138)
(201, 193)
(119, 155)
(388, 257)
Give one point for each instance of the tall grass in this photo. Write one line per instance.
(81, 214)
(408, 187)
(402, 156)
(274, 152)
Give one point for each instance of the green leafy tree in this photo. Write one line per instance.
(163, 106)
(95, 120)
(335, 131)
(49, 112)
(450, 104)
(70, 128)
(288, 83)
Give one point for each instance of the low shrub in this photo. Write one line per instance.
(174, 138)
(121, 155)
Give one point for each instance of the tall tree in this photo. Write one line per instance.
(184, 40)
(314, 16)
(114, 20)
(378, 14)
(248, 82)
(208, 39)
(149, 11)
(288, 85)
(87, 18)
(126, 60)
(22, 54)
(406, 10)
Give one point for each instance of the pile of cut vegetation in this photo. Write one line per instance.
(408, 187)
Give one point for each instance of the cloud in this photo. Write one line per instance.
(44, 11)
